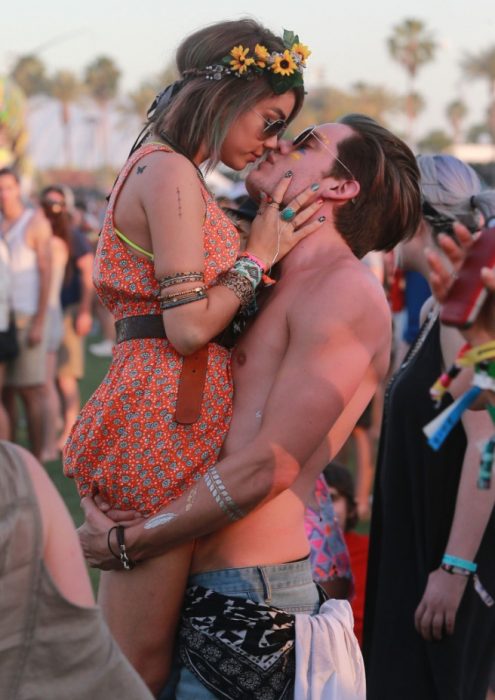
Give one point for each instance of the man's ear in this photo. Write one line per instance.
(340, 191)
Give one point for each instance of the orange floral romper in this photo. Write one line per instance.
(125, 444)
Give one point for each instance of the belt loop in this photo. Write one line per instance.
(266, 585)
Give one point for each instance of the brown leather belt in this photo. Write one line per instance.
(193, 373)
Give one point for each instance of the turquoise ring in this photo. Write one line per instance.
(288, 214)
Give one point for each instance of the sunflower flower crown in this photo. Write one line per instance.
(284, 69)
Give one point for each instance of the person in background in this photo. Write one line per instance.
(8, 339)
(427, 632)
(329, 557)
(25, 236)
(76, 298)
(53, 640)
(341, 488)
(52, 200)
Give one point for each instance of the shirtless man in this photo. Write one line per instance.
(303, 372)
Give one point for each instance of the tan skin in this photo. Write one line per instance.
(161, 208)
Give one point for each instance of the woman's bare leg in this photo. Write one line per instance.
(142, 608)
(52, 420)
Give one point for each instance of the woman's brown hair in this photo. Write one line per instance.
(203, 110)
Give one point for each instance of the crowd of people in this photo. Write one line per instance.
(251, 350)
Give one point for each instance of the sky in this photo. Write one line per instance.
(348, 39)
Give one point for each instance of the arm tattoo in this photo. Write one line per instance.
(141, 169)
(222, 497)
(179, 203)
(158, 520)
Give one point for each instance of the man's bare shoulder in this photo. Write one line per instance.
(39, 228)
(345, 291)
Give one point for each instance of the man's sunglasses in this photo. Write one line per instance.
(311, 132)
(273, 127)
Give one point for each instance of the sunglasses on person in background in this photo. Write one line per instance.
(53, 204)
(440, 223)
(273, 127)
(311, 132)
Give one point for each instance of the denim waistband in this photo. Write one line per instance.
(297, 573)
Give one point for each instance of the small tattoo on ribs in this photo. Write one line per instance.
(179, 202)
(141, 169)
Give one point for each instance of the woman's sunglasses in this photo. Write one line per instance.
(273, 127)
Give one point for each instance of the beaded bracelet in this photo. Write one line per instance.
(468, 566)
(180, 278)
(180, 298)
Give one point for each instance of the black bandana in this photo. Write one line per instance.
(238, 649)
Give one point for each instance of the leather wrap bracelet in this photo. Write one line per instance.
(122, 556)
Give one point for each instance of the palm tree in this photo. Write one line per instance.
(139, 100)
(29, 73)
(456, 112)
(412, 46)
(435, 141)
(374, 100)
(482, 65)
(66, 88)
(102, 80)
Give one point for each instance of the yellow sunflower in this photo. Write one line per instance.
(240, 62)
(302, 51)
(262, 54)
(284, 64)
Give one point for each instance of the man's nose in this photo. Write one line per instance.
(284, 146)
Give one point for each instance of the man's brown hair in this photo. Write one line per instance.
(387, 209)
(203, 110)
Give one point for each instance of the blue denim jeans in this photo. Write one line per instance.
(289, 587)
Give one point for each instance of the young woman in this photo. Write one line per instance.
(52, 200)
(168, 267)
(427, 632)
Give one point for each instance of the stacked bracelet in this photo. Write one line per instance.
(122, 556)
(168, 301)
(255, 259)
(180, 278)
(456, 565)
(250, 269)
(240, 285)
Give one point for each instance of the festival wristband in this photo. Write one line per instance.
(459, 563)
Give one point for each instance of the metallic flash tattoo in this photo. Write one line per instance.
(222, 497)
(159, 520)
